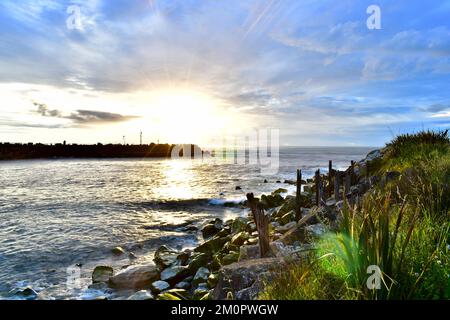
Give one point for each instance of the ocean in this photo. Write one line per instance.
(57, 214)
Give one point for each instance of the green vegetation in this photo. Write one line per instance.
(403, 227)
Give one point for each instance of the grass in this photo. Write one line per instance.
(403, 228)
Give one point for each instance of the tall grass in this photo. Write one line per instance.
(402, 227)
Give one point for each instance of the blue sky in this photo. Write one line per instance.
(310, 68)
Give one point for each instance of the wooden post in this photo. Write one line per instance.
(298, 211)
(337, 196)
(330, 178)
(318, 188)
(352, 168)
(262, 225)
(347, 183)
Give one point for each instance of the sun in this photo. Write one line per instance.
(185, 115)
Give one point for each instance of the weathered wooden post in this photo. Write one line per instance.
(330, 178)
(318, 188)
(337, 196)
(262, 225)
(298, 212)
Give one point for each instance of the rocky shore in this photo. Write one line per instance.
(227, 264)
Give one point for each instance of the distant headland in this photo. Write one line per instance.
(19, 151)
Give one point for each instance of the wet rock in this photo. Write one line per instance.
(198, 260)
(183, 285)
(212, 246)
(230, 258)
(175, 274)
(208, 231)
(201, 275)
(132, 256)
(102, 274)
(239, 224)
(271, 201)
(183, 257)
(117, 251)
(200, 291)
(179, 294)
(265, 181)
(159, 286)
(27, 293)
(240, 238)
(285, 228)
(229, 247)
(238, 188)
(142, 295)
(135, 277)
(279, 190)
(242, 275)
(165, 257)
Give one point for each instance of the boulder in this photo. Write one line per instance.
(117, 251)
(212, 279)
(286, 218)
(230, 258)
(183, 285)
(198, 260)
(102, 274)
(315, 231)
(159, 286)
(243, 275)
(175, 274)
(285, 228)
(135, 277)
(271, 201)
(239, 224)
(200, 291)
(165, 257)
(240, 238)
(201, 276)
(27, 293)
(279, 190)
(208, 231)
(142, 295)
(212, 246)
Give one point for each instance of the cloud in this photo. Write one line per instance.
(83, 117)
(438, 107)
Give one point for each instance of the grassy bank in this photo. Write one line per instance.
(401, 226)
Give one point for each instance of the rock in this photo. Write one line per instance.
(212, 246)
(279, 190)
(102, 274)
(198, 260)
(229, 247)
(243, 275)
(183, 257)
(249, 252)
(98, 286)
(238, 188)
(183, 285)
(209, 230)
(180, 294)
(373, 155)
(27, 293)
(239, 224)
(265, 181)
(201, 275)
(230, 258)
(212, 280)
(135, 277)
(315, 231)
(175, 274)
(141, 295)
(271, 201)
(290, 182)
(200, 292)
(165, 257)
(118, 251)
(288, 226)
(240, 238)
(168, 296)
(308, 188)
(159, 286)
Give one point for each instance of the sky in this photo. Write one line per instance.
(189, 71)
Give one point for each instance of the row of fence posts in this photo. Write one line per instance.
(335, 180)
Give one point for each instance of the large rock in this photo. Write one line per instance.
(198, 260)
(230, 258)
(238, 278)
(209, 230)
(102, 274)
(135, 277)
(159, 286)
(212, 246)
(165, 257)
(249, 252)
(117, 251)
(240, 238)
(26, 293)
(285, 228)
(239, 224)
(201, 276)
(175, 274)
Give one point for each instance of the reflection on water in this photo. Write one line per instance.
(54, 214)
